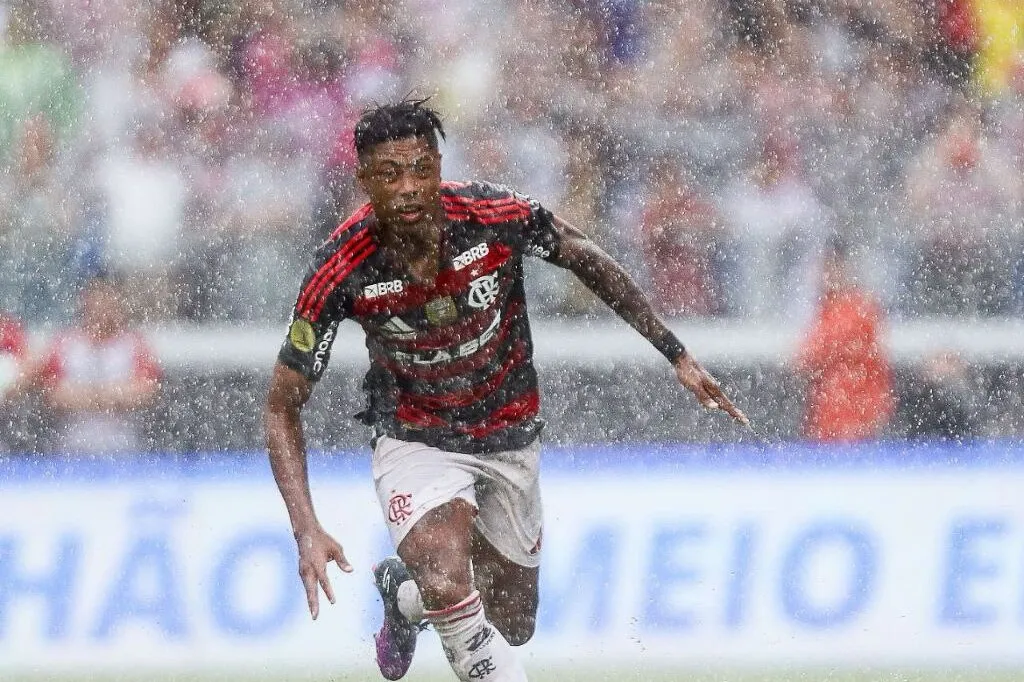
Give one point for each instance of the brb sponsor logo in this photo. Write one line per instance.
(395, 286)
(470, 256)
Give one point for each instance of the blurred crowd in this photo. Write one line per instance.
(195, 151)
(199, 148)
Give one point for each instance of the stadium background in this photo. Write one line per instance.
(199, 148)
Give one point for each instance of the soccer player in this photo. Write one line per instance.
(432, 271)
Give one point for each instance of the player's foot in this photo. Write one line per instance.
(396, 641)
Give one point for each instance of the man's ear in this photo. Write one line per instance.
(360, 177)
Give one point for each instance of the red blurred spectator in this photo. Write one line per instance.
(13, 352)
(678, 232)
(849, 392)
(955, 40)
(95, 375)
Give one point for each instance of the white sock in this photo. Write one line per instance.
(475, 649)
(410, 603)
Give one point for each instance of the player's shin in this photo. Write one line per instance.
(475, 649)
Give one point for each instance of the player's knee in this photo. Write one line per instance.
(437, 554)
(441, 582)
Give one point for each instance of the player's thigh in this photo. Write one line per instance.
(428, 499)
(507, 542)
(508, 584)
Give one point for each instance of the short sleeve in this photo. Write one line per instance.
(313, 323)
(539, 237)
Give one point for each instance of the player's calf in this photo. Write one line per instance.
(517, 628)
(509, 591)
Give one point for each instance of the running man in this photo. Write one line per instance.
(432, 271)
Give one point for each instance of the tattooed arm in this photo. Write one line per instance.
(613, 285)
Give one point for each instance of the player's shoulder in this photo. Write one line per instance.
(338, 263)
(353, 227)
(478, 189)
(351, 239)
(484, 200)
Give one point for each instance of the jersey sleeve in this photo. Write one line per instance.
(539, 236)
(313, 323)
(533, 230)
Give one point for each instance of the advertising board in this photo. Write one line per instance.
(791, 555)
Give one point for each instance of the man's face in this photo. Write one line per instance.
(403, 181)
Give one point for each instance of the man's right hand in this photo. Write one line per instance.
(705, 388)
(316, 550)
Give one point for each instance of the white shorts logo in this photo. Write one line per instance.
(483, 291)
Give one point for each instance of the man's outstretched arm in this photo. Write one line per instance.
(289, 391)
(613, 285)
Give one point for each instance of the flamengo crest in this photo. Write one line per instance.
(483, 291)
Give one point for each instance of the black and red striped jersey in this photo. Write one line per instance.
(451, 361)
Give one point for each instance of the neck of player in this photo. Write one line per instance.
(414, 248)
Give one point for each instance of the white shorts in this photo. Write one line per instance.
(413, 478)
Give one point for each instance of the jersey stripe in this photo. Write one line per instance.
(326, 270)
(490, 220)
(481, 208)
(464, 398)
(484, 203)
(510, 212)
(510, 414)
(315, 304)
(485, 209)
(361, 214)
(416, 417)
(340, 273)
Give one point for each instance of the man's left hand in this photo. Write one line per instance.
(703, 385)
